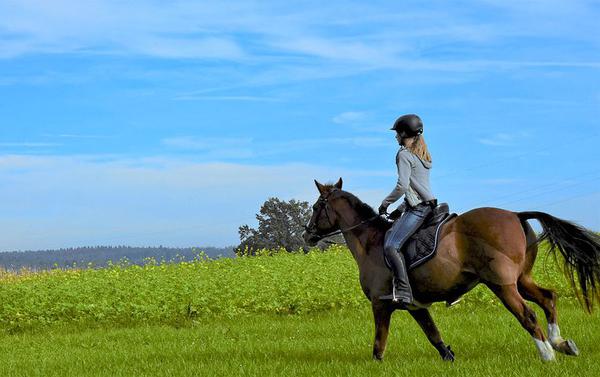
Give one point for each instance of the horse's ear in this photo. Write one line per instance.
(338, 184)
(320, 187)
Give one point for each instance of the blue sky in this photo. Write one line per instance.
(142, 123)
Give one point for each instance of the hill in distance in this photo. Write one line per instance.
(100, 256)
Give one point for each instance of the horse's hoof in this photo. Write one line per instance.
(448, 355)
(568, 347)
(377, 357)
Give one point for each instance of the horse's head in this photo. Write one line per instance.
(324, 219)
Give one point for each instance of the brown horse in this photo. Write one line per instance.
(485, 245)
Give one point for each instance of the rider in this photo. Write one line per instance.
(414, 164)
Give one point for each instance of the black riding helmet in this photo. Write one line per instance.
(408, 125)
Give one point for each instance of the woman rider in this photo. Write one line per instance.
(414, 163)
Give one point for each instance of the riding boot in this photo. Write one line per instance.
(401, 291)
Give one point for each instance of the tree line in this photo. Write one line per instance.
(101, 256)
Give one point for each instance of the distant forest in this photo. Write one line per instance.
(100, 256)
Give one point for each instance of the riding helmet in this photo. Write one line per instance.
(408, 125)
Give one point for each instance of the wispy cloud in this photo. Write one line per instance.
(226, 98)
(541, 101)
(349, 117)
(76, 136)
(194, 48)
(504, 139)
(369, 54)
(116, 28)
(248, 148)
(190, 142)
(500, 181)
(251, 32)
(213, 148)
(359, 141)
(112, 199)
(28, 145)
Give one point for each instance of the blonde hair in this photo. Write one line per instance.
(419, 148)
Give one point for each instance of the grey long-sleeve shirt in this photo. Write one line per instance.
(413, 180)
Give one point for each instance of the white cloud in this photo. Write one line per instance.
(500, 181)
(113, 27)
(189, 142)
(503, 139)
(192, 97)
(79, 136)
(58, 201)
(389, 37)
(498, 140)
(351, 117)
(28, 144)
(196, 48)
(213, 148)
(369, 54)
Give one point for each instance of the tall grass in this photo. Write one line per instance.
(172, 293)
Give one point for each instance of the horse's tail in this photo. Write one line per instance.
(580, 249)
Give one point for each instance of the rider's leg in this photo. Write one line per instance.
(395, 238)
(401, 290)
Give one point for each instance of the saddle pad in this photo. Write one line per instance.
(422, 246)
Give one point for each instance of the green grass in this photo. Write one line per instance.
(173, 294)
(280, 314)
(488, 342)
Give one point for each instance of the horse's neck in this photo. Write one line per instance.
(356, 246)
(358, 237)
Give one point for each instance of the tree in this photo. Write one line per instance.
(280, 225)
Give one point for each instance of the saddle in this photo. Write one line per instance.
(422, 245)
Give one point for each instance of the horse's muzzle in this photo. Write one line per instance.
(310, 238)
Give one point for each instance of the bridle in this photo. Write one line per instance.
(323, 203)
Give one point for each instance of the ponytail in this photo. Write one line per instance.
(419, 148)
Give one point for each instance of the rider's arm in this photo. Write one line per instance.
(404, 170)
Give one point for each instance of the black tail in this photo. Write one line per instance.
(580, 249)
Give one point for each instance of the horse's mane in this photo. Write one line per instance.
(364, 210)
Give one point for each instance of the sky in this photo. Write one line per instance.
(170, 123)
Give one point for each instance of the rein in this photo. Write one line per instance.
(340, 231)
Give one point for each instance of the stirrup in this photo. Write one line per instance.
(454, 302)
(395, 298)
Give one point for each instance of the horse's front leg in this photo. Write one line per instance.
(382, 315)
(424, 320)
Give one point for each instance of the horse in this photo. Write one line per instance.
(486, 245)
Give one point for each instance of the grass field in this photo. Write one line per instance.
(284, 314)
(487, 342)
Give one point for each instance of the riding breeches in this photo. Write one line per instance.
(404, 228)
(394, 239)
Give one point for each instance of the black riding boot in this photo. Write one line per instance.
(401, 291)
(395, 238)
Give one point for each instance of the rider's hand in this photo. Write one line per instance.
(382, 209)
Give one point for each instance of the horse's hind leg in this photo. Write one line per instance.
(510, 297)
(546, 299)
